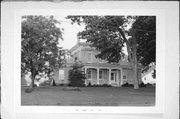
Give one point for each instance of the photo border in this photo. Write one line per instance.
(161, 42)
(158, 108)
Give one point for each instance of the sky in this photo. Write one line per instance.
(69, 33)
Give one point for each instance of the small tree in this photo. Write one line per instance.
(76, 76)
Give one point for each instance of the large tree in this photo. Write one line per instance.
(39, 45)
(108, 35)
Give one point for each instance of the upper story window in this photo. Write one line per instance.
(89, 57)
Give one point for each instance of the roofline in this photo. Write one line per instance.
(78, 45)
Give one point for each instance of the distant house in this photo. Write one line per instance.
(147, 77)
(97, 71)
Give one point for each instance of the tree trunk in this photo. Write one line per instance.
(132, 52)
(136, 81)
(32, 78)
(135, 63)
(32, 82)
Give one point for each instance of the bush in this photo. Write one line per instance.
(106, 85)
(89, 85)
(96, 85)
(63, 84)
(28, 90)
(76, 76)
(53, 83)
(127, 85)
(149, 85)
(142, 85)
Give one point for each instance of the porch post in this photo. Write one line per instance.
(109, 76)
(117, 78)
(85, 70)
(121, 76)
(97, 76)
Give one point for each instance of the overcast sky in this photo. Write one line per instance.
(69, 33)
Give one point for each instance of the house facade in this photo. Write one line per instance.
(147, 77)
(97, 71)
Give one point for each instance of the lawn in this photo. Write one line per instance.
(89, 96)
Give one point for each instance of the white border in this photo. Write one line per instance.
(158, 108)
(167, 30)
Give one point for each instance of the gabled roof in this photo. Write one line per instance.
(152, 68)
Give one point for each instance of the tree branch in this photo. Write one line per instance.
(127, 44)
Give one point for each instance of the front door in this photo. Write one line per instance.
(113, 77)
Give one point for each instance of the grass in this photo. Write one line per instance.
(89, 96)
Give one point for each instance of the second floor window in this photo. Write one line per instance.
(89, 57)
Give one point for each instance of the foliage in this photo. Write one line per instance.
(39, 41)
(145, 27)
(89, 84)
(76, 76)
(142, 85)
(127, 85)
(102, 33)
(53, 83)
(97, 85)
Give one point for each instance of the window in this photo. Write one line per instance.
(89, 74)
(61, 74)
(124, 77)
(89, 57)
(112, 76)
(124, 74)
(100, 74)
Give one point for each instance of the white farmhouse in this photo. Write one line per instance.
(147, 76)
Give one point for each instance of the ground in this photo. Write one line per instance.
(90, 96)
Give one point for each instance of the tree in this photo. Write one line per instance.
(39, 45)
(76, 76)
(145, 27)
(107, 34)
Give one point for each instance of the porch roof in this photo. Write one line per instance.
(106, 65)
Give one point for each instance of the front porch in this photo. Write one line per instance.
(103, 75)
